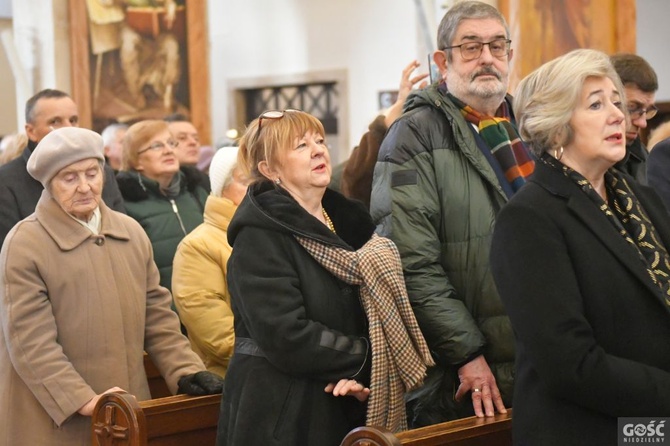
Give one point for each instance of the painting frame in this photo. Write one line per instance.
(198, 66)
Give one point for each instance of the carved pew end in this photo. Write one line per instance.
(370, 436)
(120, 420)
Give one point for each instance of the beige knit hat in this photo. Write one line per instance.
(62, 147)
(223, 163)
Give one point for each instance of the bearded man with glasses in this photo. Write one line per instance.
(444, 170)
(640, 84)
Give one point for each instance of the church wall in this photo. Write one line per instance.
(370, 40)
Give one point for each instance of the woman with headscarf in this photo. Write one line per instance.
(80, 302)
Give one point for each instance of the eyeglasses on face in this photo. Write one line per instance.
(473, 50)
(159, 146)
(637, 113)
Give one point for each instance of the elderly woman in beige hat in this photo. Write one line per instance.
(80, 301)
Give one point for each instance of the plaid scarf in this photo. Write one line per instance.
(503, 140)
(399, 352)
(630, 220)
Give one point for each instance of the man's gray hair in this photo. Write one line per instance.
(109, 133)
(465, 11)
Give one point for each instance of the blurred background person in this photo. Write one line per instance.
(189, 150)
(200, 267)
(658, 170)
(167, 201)
(78, 315)
(658, 134)
(112, 137)
(11, 147)
(640, 84)
(301, 368)
(579, 256)
(356, 181)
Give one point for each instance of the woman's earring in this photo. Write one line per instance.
(558, 153)
(277, 181)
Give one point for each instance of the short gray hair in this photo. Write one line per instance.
(109, 133)
(465, 11)
(545, 100)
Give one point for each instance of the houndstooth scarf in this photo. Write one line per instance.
(400, 355)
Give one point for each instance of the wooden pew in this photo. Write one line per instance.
(120, 420)
(473, 431)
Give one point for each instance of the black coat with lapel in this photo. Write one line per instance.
(592, 329)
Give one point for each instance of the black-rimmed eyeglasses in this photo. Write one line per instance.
(473, 50)
(637, 113)
(159, 146)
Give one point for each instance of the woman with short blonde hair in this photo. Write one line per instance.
(579, 256)
(303, 361)
(544, 103)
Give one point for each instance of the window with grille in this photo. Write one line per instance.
(318, 99)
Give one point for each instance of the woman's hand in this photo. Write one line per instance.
(349, 387)
(87, 409)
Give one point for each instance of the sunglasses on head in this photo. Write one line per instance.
(271, 114)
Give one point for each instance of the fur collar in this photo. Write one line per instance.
(274, 208)
(132, 190)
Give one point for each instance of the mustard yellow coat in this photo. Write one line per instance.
(77, 310)
(199, 286)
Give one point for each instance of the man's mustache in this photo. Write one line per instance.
(487, 71)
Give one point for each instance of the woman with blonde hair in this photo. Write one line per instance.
(305, 271)
(579, 256)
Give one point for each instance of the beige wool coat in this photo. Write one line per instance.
(76, 311)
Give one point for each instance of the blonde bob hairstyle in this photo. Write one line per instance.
(276, 137)
(137, 136)
(546, 99)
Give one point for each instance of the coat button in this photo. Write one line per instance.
(100, 241)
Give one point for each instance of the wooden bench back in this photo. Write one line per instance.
(473, 431)
(119, 420)
(157, 385)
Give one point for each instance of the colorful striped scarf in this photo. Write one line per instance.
(506, 146)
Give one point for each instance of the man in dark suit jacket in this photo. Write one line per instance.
(658, 170)
(19, 192)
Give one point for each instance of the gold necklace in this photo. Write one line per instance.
(329, 222)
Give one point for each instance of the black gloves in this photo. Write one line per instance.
(201, 383)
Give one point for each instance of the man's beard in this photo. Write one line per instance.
(485, 90)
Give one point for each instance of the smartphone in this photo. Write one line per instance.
(432, 69)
